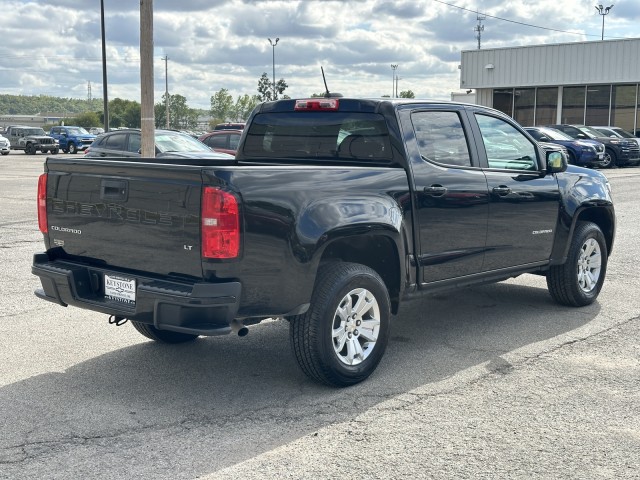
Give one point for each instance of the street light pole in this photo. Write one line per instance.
(603, 11)
(273, 48)
(393, 78)
(105, 99)
(166, 89)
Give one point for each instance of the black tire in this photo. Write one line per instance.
(30, 149)
(164, 336)
(73, 149)
(578, 282)
(5, 153)
(571, 158)
(54, 151)
(314, 335)
(609, 160)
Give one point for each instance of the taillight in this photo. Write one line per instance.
(317, 104)
(220, 224)
(42, 203)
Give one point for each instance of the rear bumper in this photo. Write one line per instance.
(195, 308)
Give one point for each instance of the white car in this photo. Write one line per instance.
(4, 145)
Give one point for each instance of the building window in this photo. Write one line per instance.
(573, 104)
(524, 105)
(546, 106)
(503, 100)
(598, 100)
(623, 106)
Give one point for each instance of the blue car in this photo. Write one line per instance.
(72, 139)
(583, 152)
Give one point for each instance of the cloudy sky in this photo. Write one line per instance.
(54, 47)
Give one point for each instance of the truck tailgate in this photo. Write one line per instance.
(138, 216)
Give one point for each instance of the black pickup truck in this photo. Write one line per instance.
(333, 212)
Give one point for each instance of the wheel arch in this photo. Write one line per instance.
(602, 216)
(377, 251)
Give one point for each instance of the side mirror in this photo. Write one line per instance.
(556, 162)
(582, 136)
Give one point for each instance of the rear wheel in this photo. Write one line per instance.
(341, 339)
(164, 336)
(579, 280)
(30, 149)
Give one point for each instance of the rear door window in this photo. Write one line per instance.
(441, 138)
(117, 141)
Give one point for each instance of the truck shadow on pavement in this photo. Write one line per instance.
(182, 411)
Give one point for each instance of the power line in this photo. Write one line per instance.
(520, 23)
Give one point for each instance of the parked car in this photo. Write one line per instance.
(5, 146)
(71, 138)
(586, 153)
(617, 132)
(128, 142)
(225, 141)
(618, 151)
(96, 130)
(31, 139)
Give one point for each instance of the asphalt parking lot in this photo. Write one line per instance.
(494, 381)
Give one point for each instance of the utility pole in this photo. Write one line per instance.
(166, 88)
(393, 78)
(105, 97)
(479, 28)
(147, 120)
(273, 47)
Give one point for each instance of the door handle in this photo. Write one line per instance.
(114, 190)
(435, 190)
(502, 190)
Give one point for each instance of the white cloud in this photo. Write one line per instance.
(55, 49)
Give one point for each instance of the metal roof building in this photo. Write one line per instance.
(592, 83)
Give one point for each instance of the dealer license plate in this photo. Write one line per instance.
(120, 289)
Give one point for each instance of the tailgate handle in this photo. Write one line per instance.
(114, 190)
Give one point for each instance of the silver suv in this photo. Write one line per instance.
(31, 139)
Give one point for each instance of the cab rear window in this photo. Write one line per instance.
(330, 136)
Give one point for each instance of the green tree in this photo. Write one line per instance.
(244, 106)
(407, 94)
(181, 117)
(266, 91)
(222, 105)
(86, 120)
(124, 113)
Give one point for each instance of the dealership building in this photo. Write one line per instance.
(590, 83)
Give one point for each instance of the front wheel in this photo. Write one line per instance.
(341, 339)
(609, 159)
(164, 336)
(73, 149)
(579, 280)
(30, 149)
